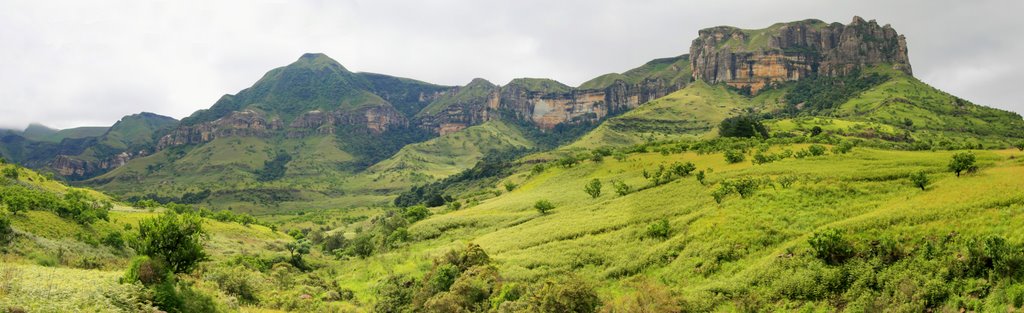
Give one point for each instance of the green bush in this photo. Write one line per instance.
(394, 294)
(415, 213)
(830, 246)
(239, 282)
(172, 238)
(843, 147)
(963, 162)
(920, 179)
(114, 240)
(660, 229)
(509, 185)
(5, 228)
(593, 188)
(621, 188)
(543, 206)
(11, 172)
(816, 150)
(569, 295)
(145, 270)
(734, 156)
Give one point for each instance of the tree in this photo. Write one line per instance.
(509, 186)
(830, 246)
(621, 188)
(174, 239)
(570, 295)
(1019, 145)
(17, 200)
(683, 170)
(659, 229)
(543, 206)
(11, 172)
(296, 249)
(701, 176)
(816, 130)
(593, 188)
(920, 179)
(961, 162)
(742, 126)
(734, 156)
(816, 150)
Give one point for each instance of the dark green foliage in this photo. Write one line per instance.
(145, 270)
(1019, 145)
(843, 147)
(745, 187)
(742, 126)
(568, 161)
(816, 150)
(920, 179)
(172, 238)
(5, 228)
(820, 95)
(11, 172)
(415, 213)
(237, 281)
(734, 156)
(683, 170)
(394, 294)
(569, 295)
(77, 205)
(362, 246)
(659, 229)
(963, 162)
(114, 240)
(593, 188)
(830, 246)
(787, 181)
(493, 165)
(543, 206)
(621, 188)
(370, 148)
(17, 198)
(274, 169)
(816, 130)
(296, 249)
(701, 177)
(509, 185)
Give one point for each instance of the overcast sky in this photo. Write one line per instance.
(77, 63)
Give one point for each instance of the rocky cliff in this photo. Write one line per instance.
(790, 51)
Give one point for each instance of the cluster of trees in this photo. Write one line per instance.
(931, 270)
(465, 280)
(386, 231)
(819, 95)
(275, 168)
(746, 126)
(191, 197)
(74, 204)
(493, 165)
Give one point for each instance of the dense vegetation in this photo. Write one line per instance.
(820, 95)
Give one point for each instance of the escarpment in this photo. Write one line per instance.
(791, 51)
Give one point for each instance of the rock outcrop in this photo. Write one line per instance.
(71, 167)
(791, 51)
(240, 123)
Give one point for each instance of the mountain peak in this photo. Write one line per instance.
(317, 61)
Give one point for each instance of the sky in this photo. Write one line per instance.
(88, 63)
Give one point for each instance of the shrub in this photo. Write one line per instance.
(394, 294)
(648, 298)
(683, 170)
(745, 186)
(787, 181)
(11, 172)
(843, 147)
(734, 156)
(660, 229)
(570, 295)
(78, 206)
(239, 282)
(454, 206)
(145, 270)
(920, 179)
(172, 238)
(963, 162)
(5, 228)
(415, 213)
(543, 206)
(114, 240)
(17, 199)
(593, 188)
(537, 169)
(1019, 145)
(816, 150)
(830, 246)
(509, 186)
(701, 176)
(816, 130)
(742, 126)
(621, 188)
(568, 161)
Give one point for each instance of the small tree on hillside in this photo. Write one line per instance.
(543, 206)
(920, 179)
(621, 187)
(174, 239)
(962, 162)
(11, 172)
(1019, 145)
(734, 156)
(593, 188)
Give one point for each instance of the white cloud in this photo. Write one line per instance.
(72, 63)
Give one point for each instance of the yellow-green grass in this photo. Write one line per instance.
(35, 288)
(690, 113)
(715, 245)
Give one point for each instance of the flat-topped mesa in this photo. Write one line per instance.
(791, 51)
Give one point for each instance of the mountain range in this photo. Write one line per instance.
(314, 133)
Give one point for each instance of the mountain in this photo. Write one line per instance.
(84, 152)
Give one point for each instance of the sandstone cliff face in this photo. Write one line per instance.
(375, 119)
(546, 109)
(240, 123)
(785, 52)
(72, 167)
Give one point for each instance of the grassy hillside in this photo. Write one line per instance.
(441, 157)
(745, 252)
(692, 112)
(674, 71)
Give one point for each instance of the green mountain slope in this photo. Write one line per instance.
(675, 71)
